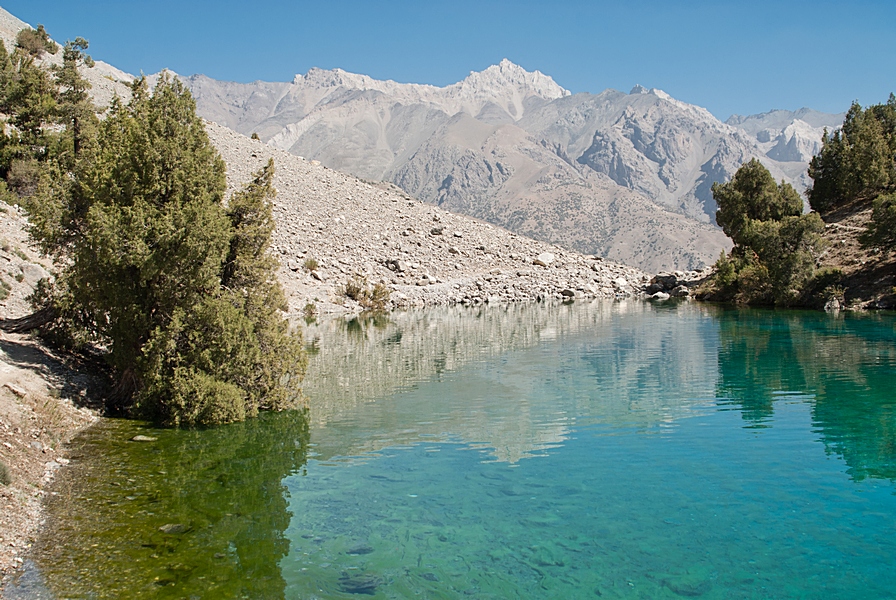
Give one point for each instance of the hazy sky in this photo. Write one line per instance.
(744, 56)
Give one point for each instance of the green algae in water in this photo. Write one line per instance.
(592, 451)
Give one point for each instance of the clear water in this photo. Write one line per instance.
(576, 451)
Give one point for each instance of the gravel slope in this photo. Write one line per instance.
(425, 255)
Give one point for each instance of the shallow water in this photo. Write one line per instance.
(575, 451)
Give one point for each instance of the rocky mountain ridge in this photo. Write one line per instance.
(516, 149)
(622, 176)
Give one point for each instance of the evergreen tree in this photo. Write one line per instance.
(28, 98)
(882, 227)
(75, 110)
(753, 195)
(179, 290)
(774, 243)
(858, 162)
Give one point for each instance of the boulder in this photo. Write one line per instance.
(544, 259)
(665, 281)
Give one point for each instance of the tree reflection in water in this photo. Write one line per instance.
(846, 366)
(193, 513)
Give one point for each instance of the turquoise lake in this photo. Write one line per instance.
(606, 449)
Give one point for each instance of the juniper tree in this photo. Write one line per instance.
(178, 289)
(35, 42)
(75, 110)
(28, 97)
(857, 162)
(774, 243)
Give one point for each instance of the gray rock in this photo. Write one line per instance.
(173, 528)
(544, 259)
(664, 281)
(832, 305)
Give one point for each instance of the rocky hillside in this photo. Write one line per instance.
(333, 228)
(868, 278)
(624, 176)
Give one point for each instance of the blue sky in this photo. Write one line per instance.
(744, 57)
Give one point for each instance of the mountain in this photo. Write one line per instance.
(475, 147)
(791, 138)
(626, 176)
(623, 176)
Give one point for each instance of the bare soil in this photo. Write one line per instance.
(44, 401)
(869, 274)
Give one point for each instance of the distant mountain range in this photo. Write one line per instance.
(625, 176)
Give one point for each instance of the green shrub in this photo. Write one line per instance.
(35, 41)
(378, 297)
(309, 312)
(5, 476)
(23, 177)
(373, 298)
(355, 288)
(311, 264)
(824, 285)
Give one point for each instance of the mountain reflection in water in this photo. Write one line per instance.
(372, 379)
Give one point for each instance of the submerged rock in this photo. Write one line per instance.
(173, 528)
(359, 583)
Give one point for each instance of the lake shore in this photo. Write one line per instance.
(43, 405)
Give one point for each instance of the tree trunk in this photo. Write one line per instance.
(27, 323)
